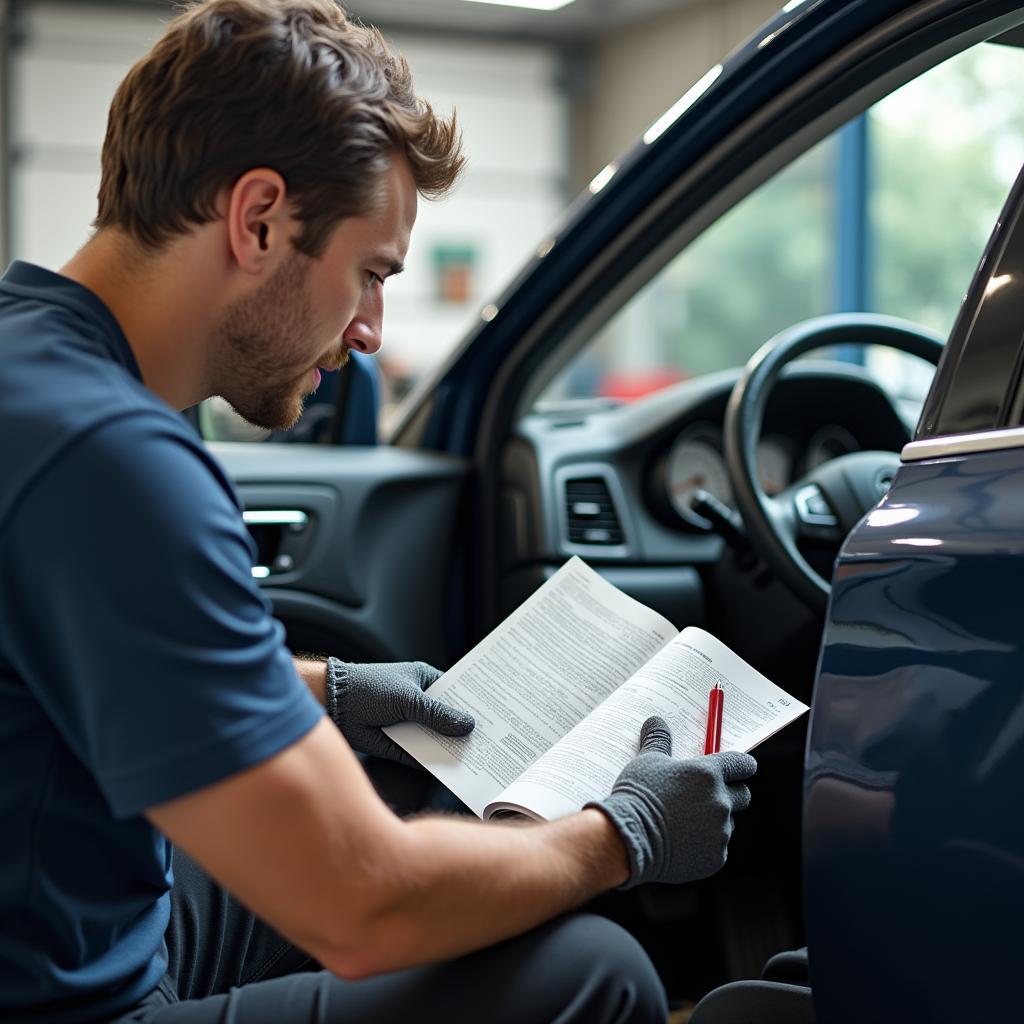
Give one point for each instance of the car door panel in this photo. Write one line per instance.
(913, 833)
(371, 565)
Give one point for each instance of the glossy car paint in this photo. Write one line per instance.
(914, 839)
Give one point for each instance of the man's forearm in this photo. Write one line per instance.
(313, 672)
(484, 883)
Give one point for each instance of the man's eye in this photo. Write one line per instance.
(373, 278)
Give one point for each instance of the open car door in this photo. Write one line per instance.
(913, 837)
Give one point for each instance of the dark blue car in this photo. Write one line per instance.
(850, 528)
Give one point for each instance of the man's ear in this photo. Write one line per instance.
(259, 220)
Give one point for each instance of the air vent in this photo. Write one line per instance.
(591, 512)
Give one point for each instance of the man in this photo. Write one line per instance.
(260, 179)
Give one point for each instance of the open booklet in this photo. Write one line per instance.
(560, 689)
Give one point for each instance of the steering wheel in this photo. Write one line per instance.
(830, 499)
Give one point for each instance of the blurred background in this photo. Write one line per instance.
(547, 98)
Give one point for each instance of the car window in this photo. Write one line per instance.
(921, 175)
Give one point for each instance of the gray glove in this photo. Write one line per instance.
(675, 817)
(363, 698)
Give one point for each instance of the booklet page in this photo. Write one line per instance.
(553, 660)
(674, 684)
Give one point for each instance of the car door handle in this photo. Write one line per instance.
(274, 517)
(278, 534)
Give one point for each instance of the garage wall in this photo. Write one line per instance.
(637, 73)
(515, 118)
(66, 66)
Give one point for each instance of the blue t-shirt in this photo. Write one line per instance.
(138, 660)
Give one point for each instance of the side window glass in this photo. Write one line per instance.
(922, 193)
(937, 183)
(936, 186)
(763, 266)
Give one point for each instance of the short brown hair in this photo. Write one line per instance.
(294, 85)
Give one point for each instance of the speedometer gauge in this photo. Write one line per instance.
(774, 464)
(828, 443)
(696, 464)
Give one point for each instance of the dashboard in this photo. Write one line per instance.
(632, 470)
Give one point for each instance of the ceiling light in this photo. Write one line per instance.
(533, 5)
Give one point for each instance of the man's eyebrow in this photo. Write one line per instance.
(379, 260)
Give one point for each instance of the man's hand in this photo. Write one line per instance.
(675, 817)
(361, 699)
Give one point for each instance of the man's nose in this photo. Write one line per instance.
(364, 333)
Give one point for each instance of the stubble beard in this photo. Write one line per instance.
(256, 342)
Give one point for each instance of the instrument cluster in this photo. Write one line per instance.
(695, 463)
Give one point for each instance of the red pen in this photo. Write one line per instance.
(713, 736)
